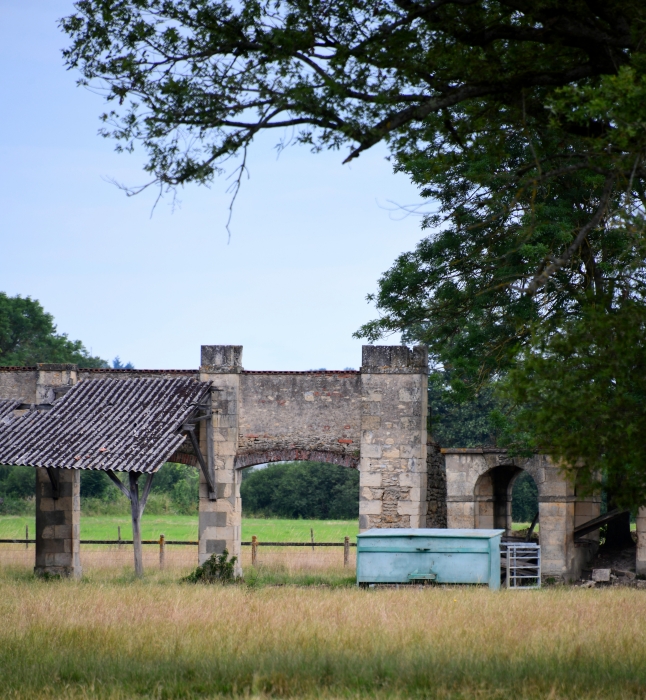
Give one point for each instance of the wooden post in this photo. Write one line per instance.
(254, 551)
(136, 522)
(312, 536)
(119, 537)
(162, 548)
(346, 552)
(26, 536)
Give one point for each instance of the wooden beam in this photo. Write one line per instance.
(200, 458)
(144, 497)
(118, 483)
(54, 477)
(596, 523)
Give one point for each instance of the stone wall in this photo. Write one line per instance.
(435, 486)
(18, 383)
(299, 415)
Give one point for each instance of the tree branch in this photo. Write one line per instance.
(541, 278)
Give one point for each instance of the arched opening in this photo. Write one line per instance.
(493, 496)
(524, 504)
(299, 501)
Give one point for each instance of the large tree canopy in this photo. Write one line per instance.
(195, 80)
(523, 123)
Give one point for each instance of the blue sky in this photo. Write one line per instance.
(310, 237)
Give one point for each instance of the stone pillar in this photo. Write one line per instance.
(58, 523)
(54, 379)
(435, 486)
(57, 519)
(640, 562)
(394, 383)
(220, 520)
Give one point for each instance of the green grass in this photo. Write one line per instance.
(184, 527)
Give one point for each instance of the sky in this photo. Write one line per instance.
(310, 237)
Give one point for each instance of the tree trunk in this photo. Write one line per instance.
(136, 525)
(618, 531)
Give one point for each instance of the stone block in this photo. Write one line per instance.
(411, 508)
(213, 519)
(601, 575)
(215, 546)
(221, 358)
(371, 451)
(370, 478)
(370, 507)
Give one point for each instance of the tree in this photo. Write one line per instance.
(193, 81)
(28, 336)
(581, 394)
(523, 120)
(302, 490)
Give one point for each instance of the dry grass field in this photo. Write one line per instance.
(108, 636)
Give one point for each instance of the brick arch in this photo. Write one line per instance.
(295, 455)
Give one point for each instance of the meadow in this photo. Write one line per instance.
(184, 527)
(158, 638)
(298, 627)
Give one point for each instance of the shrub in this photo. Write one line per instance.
(217, 569)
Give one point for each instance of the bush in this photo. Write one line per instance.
(218, 568)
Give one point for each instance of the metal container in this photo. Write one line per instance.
(398, 555)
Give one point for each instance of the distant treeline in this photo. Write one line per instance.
(309, 490)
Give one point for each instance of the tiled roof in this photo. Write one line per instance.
(106, 424)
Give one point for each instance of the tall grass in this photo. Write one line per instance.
(156, 638)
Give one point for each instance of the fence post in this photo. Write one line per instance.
(162, 548)
(312, 536)
(119, 536)
(254, 550)
(346, 552)
(26, 536)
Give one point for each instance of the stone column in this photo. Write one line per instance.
(556, 506)
(57, 519)
(393, 469)
(58, 523)
(640, 562)
(220, 520)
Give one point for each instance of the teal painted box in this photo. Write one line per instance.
(399, 555)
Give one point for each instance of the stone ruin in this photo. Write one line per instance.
(373, 420)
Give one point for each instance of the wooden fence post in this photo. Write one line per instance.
(119, 537)
(254, 551)
(312, 536)
(162, 550)
(346, 552)
(26, 536)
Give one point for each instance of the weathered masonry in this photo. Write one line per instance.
(479, 493)
(373, 420)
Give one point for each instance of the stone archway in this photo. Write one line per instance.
(374, 419)
(479, 493)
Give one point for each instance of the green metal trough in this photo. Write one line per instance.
(399, 555)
